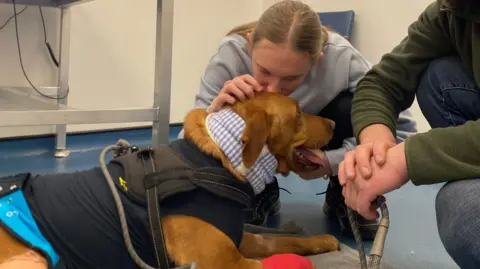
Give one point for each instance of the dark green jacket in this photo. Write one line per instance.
(440, 154)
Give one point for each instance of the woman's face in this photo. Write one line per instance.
(277, 67)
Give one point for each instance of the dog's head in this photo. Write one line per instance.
(276, 120)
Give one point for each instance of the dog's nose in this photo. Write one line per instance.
(332, 124)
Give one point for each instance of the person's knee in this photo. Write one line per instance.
(339, 111)
(441, 74)
(458, 220)
(444, 65)
(433, 78)
(439, 92)
(344, 104)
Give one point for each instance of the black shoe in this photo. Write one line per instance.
(267, 204)
(335, 209)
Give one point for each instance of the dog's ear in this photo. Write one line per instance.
(255, 136)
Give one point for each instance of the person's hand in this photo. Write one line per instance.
(375, 140)
(360, 192)
(240, 88)
(324, 170)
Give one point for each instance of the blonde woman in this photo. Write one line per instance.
(288, 51)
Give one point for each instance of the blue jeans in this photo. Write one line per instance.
(448, 96)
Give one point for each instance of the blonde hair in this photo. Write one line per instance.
(288, 22)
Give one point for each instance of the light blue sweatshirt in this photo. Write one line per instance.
(340, 69)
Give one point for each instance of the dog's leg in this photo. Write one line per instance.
(192, 240)
(27, 260)
(14, 255)
(260, 246)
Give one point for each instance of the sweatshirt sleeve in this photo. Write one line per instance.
(389, 87)
(230, 61)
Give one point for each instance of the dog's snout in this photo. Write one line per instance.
(332, 124)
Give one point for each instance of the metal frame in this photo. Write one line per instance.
(47, 3)
(22, 106)
(63, 87)
(163, 71)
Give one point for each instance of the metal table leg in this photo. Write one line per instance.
(31, 110)
(63, 85)
(163, 72)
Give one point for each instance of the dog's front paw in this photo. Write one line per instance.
(323, 243)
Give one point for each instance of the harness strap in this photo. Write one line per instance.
(167, 173)
(153, 207)
(12, 183)
(211, 179)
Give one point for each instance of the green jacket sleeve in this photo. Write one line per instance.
(440, 154)
(389, 87)
(444, 154)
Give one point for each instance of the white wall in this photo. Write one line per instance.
(113, 41)
(379, 26)
(112, 52)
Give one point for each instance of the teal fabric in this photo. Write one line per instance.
(15, 215)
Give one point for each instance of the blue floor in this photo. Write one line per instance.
(412, 241)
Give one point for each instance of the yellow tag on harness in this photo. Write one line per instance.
(123, 183)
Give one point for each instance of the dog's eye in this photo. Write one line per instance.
(298, 120)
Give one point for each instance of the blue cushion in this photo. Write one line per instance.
(339, 21)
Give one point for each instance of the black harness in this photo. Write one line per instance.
(12, 183)
(153, 175)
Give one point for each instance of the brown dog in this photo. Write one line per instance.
(271, 120)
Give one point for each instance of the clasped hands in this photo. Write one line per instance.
(375, 167)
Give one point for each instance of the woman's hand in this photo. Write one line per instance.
(240, 88)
